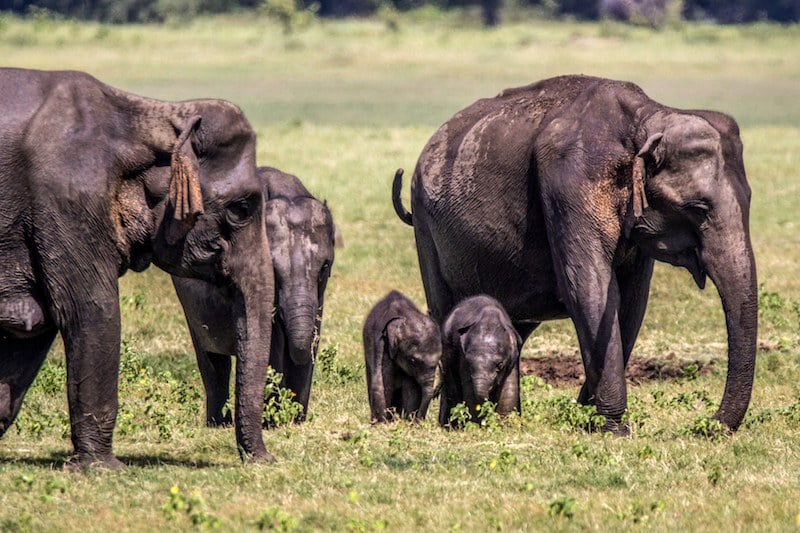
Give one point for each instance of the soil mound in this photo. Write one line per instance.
(567, 369)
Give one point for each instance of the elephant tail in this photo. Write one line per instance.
(397, 186)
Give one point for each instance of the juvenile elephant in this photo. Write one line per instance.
(402, 349)
(96, 181)
(556, 198)
(301, 238)
(480, 358)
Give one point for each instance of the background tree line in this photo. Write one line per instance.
(652, 12)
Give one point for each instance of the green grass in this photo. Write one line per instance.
(342, 104)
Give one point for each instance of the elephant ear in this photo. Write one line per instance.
(639, 168)
(185, 194)
(461, 332)
(516, 338)
(391, 335)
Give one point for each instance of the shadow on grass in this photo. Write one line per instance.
(57, 461)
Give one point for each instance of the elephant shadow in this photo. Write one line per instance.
(57, 460)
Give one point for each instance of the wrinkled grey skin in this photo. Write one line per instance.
(402, 350)
(96, 181)
(301, 239)
(531, 197)
(480, 358)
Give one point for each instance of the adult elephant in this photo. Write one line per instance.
(301, 239)
(557, 197)
(96, 181)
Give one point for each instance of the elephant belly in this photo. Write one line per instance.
(515, 269)
(208, 314)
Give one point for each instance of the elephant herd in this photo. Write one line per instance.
(547, 201)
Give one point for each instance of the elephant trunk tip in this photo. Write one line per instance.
(300, 356)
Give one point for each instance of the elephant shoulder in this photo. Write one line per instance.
(74, 116)
(589, 139)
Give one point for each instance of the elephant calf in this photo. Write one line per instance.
(301, 239)
(480, 358)
(402, 348)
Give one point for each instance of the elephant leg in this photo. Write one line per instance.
(80, 278)
(451, 394)
(524, 330)
(20, 361)
(508, 399)
(444, 408)
(633, 280)
(298, 379)
(594, 311)
(634, 287)
(381, 387)
(91, 341)
(279, 359)
(582, 254)
(437, 293)
(412, 397)
(215, 369)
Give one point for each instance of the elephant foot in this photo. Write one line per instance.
(260, 458)
(220, 421)
(85, 462)
(616, 428)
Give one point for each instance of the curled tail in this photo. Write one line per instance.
(397, 186)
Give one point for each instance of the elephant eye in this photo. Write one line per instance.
(240, 211)
(324, 270)
(698, 207)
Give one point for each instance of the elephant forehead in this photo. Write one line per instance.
(232, 183)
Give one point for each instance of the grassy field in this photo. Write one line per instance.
(342, 104)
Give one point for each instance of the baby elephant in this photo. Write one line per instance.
(480, 358)
(300, 231)
(402, 348)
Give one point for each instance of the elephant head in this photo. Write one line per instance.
(488, 351)
(691, 209)
(301, 234)
(208, 223)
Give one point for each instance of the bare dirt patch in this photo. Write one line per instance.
(567, 369)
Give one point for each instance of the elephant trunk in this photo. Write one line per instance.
(430, 389)
(300, 316)
(476, 391)
(252, 278)
(728, 258)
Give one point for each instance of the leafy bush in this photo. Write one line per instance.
(564, 412)
(275, 519)
(192, 506)
(280, 408)
(460, 417)
(330, 371)
(563, 506)
(707, 428)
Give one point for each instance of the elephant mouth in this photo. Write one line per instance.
(692, 262)
(689, 258)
